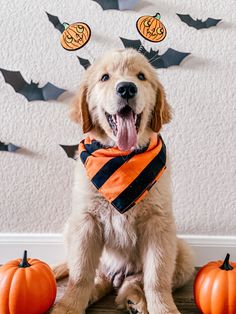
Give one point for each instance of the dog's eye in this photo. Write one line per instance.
(141, 76)
(105, 77)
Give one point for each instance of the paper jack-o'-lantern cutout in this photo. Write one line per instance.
(151, 28)
(75, 36)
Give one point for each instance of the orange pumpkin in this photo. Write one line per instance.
(75, 36)
(151, 28)
(215, 288)
(27, 286)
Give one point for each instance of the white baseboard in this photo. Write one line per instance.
(49, 247)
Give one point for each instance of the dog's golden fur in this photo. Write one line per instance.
(137, 252)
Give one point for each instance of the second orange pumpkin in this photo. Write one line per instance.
(214, 288)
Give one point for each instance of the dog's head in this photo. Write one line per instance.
(121, 101)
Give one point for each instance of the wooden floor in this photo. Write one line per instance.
(183, 299)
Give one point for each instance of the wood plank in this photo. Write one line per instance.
(183, 298)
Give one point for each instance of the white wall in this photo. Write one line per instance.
(35, 183)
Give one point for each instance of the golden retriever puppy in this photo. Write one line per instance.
(121, 106)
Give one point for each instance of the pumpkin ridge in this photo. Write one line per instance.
(212, 285)
(46, 289)
(223, 300)
(4, 300)
(37, 293)
(209, 296)
(231, 286)
(50, 280)
(202, 274)
(19, 277)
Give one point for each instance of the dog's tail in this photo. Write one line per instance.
(60, 270)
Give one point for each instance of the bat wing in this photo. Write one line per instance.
(15, 79)
(70, 150)
(127, 4)
(198, 24)
(8, 147)
(172, 57)
(50, 91)
(169, 58)
(84, 62)
(56, 22)
(186, 18)
(155, 59)
(12, 147)
(32, 92)
(3, 147)
(136, 44)
(152, 55)
(108, 4)
(211, 22)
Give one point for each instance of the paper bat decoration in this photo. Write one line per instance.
(169, 58)
(84, 62)
(8, 147)
(198, 24)
(31, 91)
(117, 4)
(70, 150)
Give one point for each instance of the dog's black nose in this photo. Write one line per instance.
(126, 90)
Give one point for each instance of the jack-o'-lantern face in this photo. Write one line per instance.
(75, 36)
(151, 28)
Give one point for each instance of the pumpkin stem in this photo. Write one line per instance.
(24, 263)
(66, 25)
(157, 16)
(226, 265)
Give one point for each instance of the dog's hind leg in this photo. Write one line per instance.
(184, 265)
(131, 295)
(60, 270)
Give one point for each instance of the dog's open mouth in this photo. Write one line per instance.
(125, 126)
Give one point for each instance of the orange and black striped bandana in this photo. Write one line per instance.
(123, 178)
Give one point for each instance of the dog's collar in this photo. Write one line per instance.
(123, 178)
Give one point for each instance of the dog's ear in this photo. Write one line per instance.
(79, 110)
(162, 111)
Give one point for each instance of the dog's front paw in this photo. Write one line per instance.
(62, 308)
(134, 302)
(137, 305)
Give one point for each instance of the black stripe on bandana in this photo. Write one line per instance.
(141, 183)
(109, 168)
(90, 148)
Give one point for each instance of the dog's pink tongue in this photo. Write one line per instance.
(126, 135)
